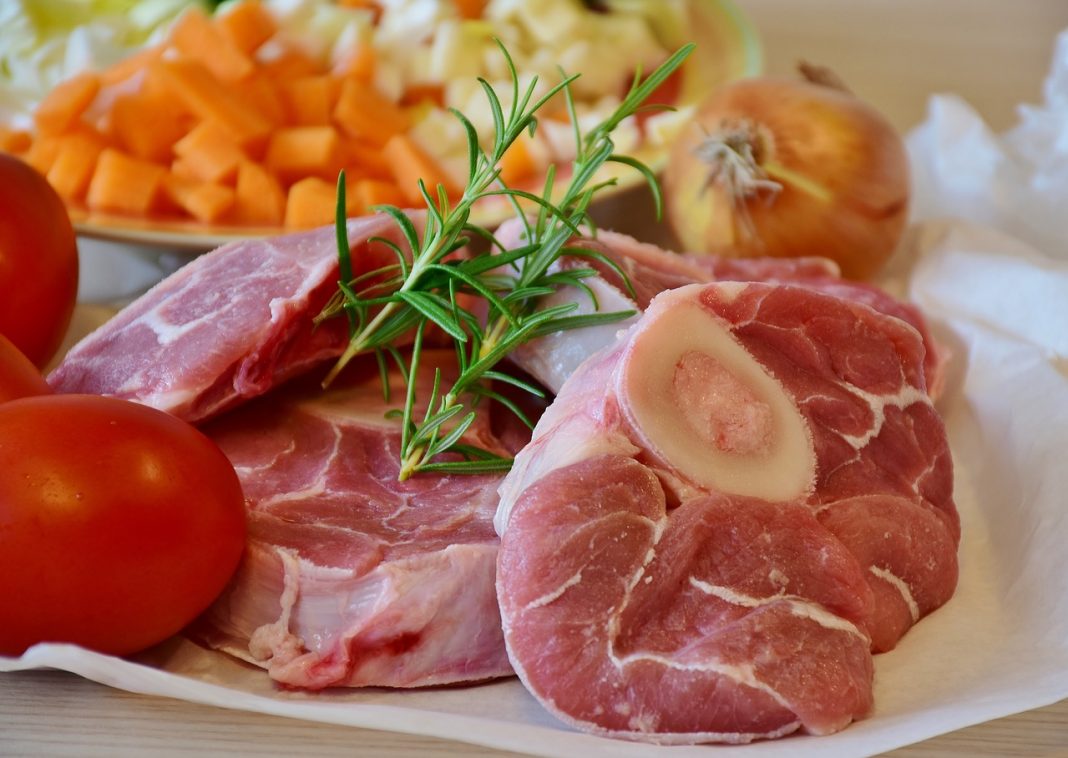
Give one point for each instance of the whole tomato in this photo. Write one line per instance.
(38, 262)
(18, 377)
(119, 523)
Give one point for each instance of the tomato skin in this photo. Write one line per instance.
(18, 377)
(38, 262)
(119, 523)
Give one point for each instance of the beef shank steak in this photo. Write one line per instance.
(352, 578)
(722, 514)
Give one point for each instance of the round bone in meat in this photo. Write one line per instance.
(706, 409)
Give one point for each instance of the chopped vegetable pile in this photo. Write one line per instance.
(246, 116)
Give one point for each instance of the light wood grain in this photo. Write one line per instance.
(895, 53)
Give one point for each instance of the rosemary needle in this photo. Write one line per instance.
(403, 298)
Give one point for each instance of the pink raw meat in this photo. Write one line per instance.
(713, 527)
(652, 270)
(352, 578)
(227, 326)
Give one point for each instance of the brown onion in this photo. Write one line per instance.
(789, 168)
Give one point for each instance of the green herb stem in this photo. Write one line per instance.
(511, 282)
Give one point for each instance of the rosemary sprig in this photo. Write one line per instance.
(405, 297)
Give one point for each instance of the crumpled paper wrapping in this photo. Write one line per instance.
(996, 289)
(1016, 182)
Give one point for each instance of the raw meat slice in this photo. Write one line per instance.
(352, 578)
(651, 270)
(227, 326)
(722, 514)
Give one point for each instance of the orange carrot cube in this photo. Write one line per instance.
(66, 103)
(209, 152)
(301, 151)
(148, 125)
(409, 163)
(259, 198)
(199, 40)
(14, 140)
(247, 25)
(311, 202)
(42, 153)
(74, 164)
(310, 100)
(205, 96)
(123, 183)
(371, 192)
(361, 159)
(366, 114)
(204, 201)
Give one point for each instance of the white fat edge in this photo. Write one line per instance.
(907, 395)
(318, 486)
(539, 461)
(555, 357)
(266, 641)
(658, 528)
(902, 587)
(742, 674)
(247, 470)
(360, 405)
(612, 627)
(556, 594)
(167, 332)
(798, 606)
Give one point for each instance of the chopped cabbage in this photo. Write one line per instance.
(43, 43)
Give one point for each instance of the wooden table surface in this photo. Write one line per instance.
(894, 53)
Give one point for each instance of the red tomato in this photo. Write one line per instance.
(119, 523)
(18, 377)
(38, 262)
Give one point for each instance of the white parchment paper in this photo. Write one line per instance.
(1000, 646)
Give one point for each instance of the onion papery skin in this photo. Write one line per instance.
(841, 166)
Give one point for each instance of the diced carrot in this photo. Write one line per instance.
(210, 100)
(518, 162)
(124, 183)
(290, 63)
(204, 201)
(311, 202)
(310, 99)
(209, 152)
(262, 94)
(259, 199)
(181, 168)
(66, 103)
(147, 125)
(42, 153)
(361, 64)
(247, 24)
(73, 166)
(470, 9)
(409, 163)
(127, 67)
(370, 192)
(424, 93)
(199, 40)
(365, 160)
(304, 150)
(366, 114)
(14, 140)
(209, 202)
